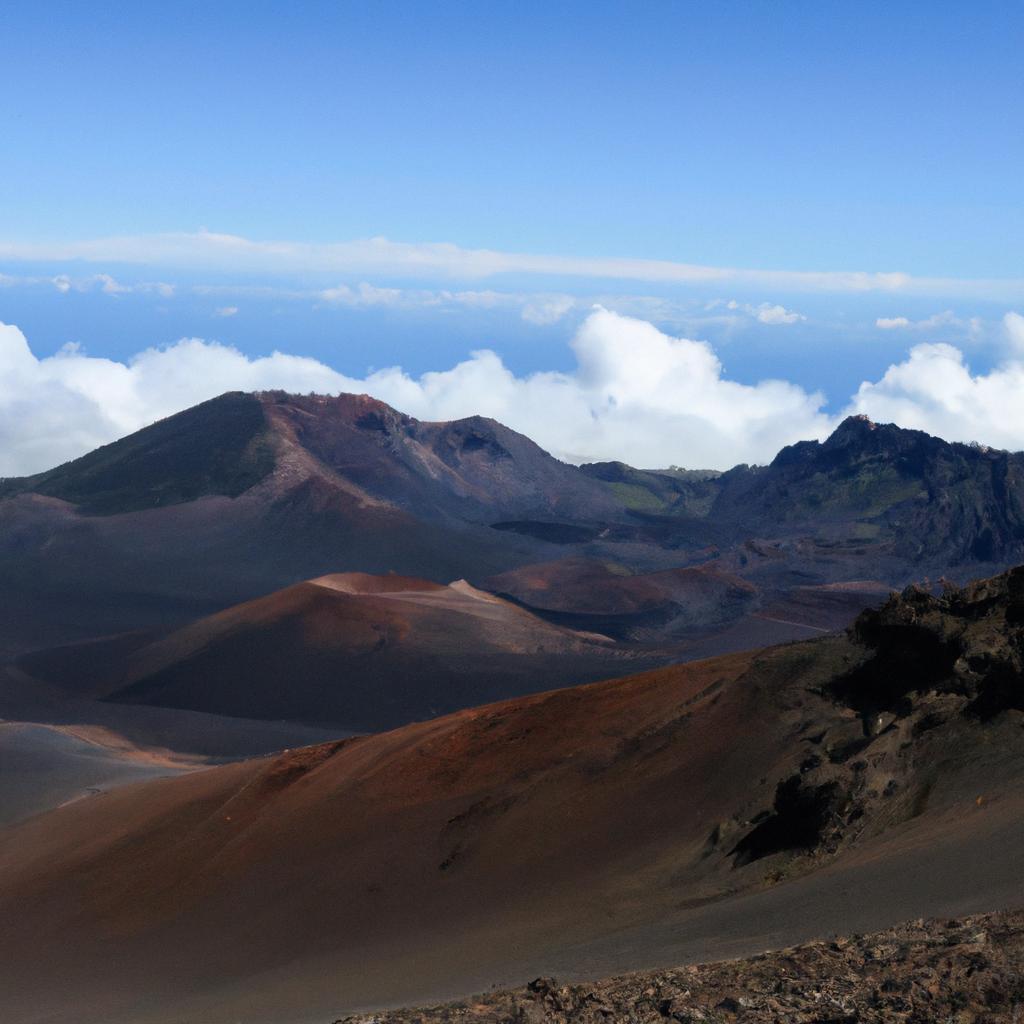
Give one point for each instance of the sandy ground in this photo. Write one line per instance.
(45, 766)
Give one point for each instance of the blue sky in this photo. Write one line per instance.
(216, 170)
(797, 135)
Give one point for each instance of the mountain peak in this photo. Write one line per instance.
(857, 423)
(219, 447)
(856, 430)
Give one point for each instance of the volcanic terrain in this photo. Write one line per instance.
(706, 810)
(363, 652)
(246, 494)
(273, 573)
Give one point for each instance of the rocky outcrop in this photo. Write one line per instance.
(967, 971)
(919, 692)
(965, 648)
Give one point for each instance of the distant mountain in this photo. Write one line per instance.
(903, 499)
(696, 812)
(246, 494)
(467, 469)
(923, 497)
(222, 447)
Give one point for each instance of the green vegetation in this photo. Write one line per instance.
(638, 498)
(873, 490)
(219, 447)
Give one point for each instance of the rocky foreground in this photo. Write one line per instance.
(965, 971)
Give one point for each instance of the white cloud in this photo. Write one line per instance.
(547, 309)
(946, 324)
(109, 286)
(226, 311)
(57, 408)
(766, 313)
(1013, 325)
(487, 299)
(635, 394)
(934, 390)
(210, 250)
(362, 295)
(104, 283)
(540, 309)
(947, 318)
(774, 314)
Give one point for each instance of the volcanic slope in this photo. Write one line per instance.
(364, 653)
(608, 597)
(692, 611)
(246, 493)
(44, 766)
(708, 810)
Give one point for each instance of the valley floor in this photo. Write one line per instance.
(963, 971)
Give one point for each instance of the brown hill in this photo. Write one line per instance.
(692, 612)
(363, 652)
(472, 469)
(706, 810)
(609, 598)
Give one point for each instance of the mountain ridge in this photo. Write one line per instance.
(248, 493)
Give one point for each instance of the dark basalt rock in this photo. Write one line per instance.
(971, 969)
(798, 821)
(969, 642)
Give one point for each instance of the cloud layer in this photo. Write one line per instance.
(212, 250)
(636, 394)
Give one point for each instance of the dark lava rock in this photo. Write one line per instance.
(969, 971)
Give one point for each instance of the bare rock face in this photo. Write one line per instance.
(967, 646)
(929, 676)
(909, 496)
(967, 971)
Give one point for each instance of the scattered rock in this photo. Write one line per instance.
(968, 971)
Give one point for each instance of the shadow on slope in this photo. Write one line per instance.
(364, 652)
